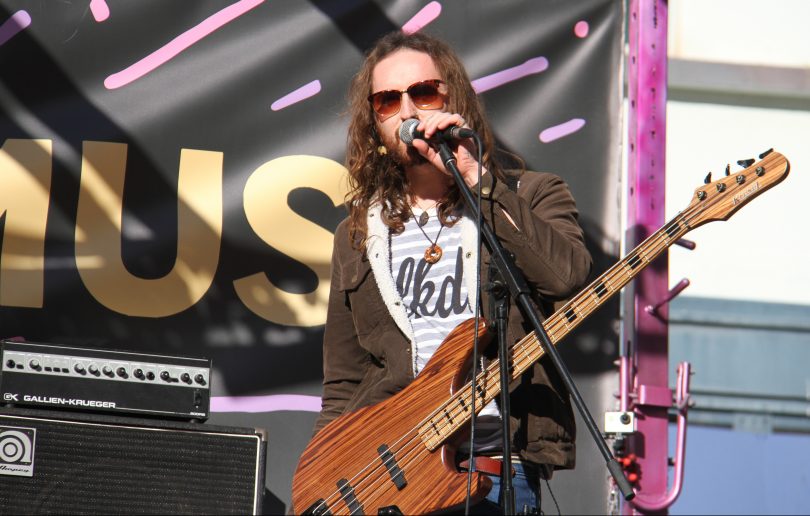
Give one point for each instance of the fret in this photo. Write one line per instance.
(526, 352)
(673, 230)
(633, 262)
(480, 390)
(571, 315)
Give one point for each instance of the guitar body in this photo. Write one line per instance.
(345, 452)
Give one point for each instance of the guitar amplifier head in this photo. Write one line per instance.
(51, 376)
(54, 462)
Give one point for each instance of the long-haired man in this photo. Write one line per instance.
(404, 261)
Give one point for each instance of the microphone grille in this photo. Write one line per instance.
(407, 129)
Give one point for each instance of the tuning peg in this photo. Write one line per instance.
(761, 156)
(745, 163)
(728, 169)
(708, 178)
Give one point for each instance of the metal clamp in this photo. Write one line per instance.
(682, 406)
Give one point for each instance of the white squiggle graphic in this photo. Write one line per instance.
(100, 10)
(271, 403)
(304, 92)
(558, 131)
(15, 24)
(425, 15)
(167, 52)
(532, 66)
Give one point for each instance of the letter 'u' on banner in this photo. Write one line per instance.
(98, 233)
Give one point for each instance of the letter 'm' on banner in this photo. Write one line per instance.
(98, 233)
(25, 193)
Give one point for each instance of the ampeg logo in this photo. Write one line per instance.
(17, 451)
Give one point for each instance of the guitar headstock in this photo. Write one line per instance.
(720, 199)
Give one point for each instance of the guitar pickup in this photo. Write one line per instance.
(349, 497)
(318, 508)
(390, 462)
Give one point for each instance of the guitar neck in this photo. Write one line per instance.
(562, 322)
(528, 350)
(713, 201)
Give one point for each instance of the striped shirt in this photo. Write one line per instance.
(435, 298)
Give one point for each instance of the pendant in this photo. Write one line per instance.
(423, 218)
(433, 254)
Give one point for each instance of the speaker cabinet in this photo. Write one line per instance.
(53, 462)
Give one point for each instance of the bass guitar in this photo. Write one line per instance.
(398, 456)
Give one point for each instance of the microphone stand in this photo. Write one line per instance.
(515, 283)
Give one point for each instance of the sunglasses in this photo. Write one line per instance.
(424, 94)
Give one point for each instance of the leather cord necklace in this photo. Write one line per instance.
(433, 253)
(423, 218)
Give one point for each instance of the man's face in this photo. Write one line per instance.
(397, 72)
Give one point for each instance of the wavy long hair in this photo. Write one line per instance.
(375, 176)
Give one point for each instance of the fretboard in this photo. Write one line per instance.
(458, 410)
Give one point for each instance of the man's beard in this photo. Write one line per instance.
(407, 158)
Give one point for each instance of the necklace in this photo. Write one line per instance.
(433, 253)
(425, 216)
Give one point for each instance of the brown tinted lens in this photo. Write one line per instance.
(386, 102)
(426, 95)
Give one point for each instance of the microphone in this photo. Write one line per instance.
(408, 133)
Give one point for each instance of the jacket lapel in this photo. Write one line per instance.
(469, 246)
(378, 250)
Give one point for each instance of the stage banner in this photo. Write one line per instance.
(171, 172)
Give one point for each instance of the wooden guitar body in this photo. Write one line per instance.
(345, 467)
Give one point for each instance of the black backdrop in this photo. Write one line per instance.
(227, 118)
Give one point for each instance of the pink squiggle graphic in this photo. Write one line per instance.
(304, 92)
(425, 15)
(16, 23)
(179, 44)
(100, 10)
(272, 403)
(581, 29)
(558, 131)
(532, 66)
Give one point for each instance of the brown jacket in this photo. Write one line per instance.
(368, 339)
